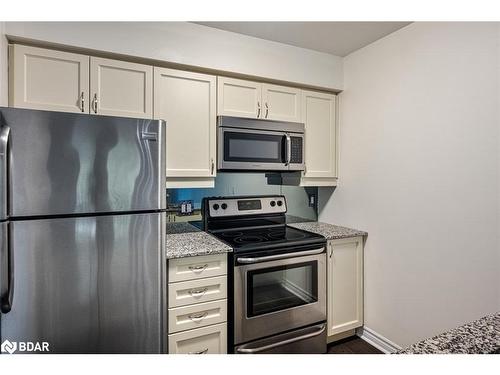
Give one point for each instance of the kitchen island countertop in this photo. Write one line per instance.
(481, 336)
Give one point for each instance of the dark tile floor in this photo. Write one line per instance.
(352, 345)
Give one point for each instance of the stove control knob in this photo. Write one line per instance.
(215, 206)
(223, 206)
(273, 203)
(280, 203)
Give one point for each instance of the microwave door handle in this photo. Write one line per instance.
(288, 149)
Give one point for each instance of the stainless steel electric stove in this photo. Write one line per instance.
(277, 274)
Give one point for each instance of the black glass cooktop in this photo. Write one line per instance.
(271, 237)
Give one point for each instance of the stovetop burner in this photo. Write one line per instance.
(281, 235)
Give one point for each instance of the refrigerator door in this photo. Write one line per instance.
(68, 163)
(88, 285)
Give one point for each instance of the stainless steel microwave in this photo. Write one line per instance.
(259, 145)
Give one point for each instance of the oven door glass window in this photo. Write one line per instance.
(281, 287)
(254, 147)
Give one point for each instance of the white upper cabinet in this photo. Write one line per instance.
(345, 285)
(48, 80)
(318, 113)
(187, 102)
(120, 88)
(281, 103)
(239, 98)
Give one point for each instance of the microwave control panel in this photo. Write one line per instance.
(296, 150)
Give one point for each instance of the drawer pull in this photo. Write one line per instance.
(198, 317)
(198, 292)
(198, 268)
(204, 351)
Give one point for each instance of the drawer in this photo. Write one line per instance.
(190, 268)
(195, 316)
(196, 291)
(206, 340)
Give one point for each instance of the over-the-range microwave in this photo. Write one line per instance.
(259, 145)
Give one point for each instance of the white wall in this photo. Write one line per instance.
(3, 66)
(419, 170)
(192, 44)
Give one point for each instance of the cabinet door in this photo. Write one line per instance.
(48, 80)
(239, 98)
(345, 285)
(318, 113)
(186, 101)
(206, 340)
(281, 103)
(120, 88)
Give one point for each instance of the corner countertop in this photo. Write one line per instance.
(185, 240)
(329, 231)
(482, 336)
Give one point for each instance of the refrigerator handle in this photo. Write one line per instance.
(6, 271)
(4, 171)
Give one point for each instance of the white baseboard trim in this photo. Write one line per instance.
(377, 340)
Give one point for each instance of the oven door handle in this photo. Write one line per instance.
(319, 331)
(279, 256)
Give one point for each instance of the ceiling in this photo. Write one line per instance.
(336, 38)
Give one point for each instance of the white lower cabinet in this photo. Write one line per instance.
(345, 285)
(197, 305)
(196, 316)
(206, 340)
(197, 291)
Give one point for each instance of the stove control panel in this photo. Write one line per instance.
(220, 207)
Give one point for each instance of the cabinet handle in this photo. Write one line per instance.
(198, 317)
(198, 268)
(82, 102)
(213, 166)
(267, 110)
(331, 250)
(204, 351)
(258, 109)
(94, 103)
(198, 292)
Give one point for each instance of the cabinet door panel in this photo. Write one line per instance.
(281, 103)
(121, 88)
(318, 111)
(240, 98)
(206, 340)
(345, 285)
(48, 80)
(186, 101)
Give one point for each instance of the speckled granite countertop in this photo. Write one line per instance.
(479, 337)
(329, 231)
(181, 245)
(184, 227)
(186, 240)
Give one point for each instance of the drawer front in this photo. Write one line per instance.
(196, 316)
(191, 268)
(196, 291)
(207, 340)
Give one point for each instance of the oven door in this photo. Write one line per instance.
(245, 149)
(277, 293)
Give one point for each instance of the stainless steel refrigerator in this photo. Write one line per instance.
(82, 213)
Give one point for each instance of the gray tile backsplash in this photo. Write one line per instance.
(230, 184)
